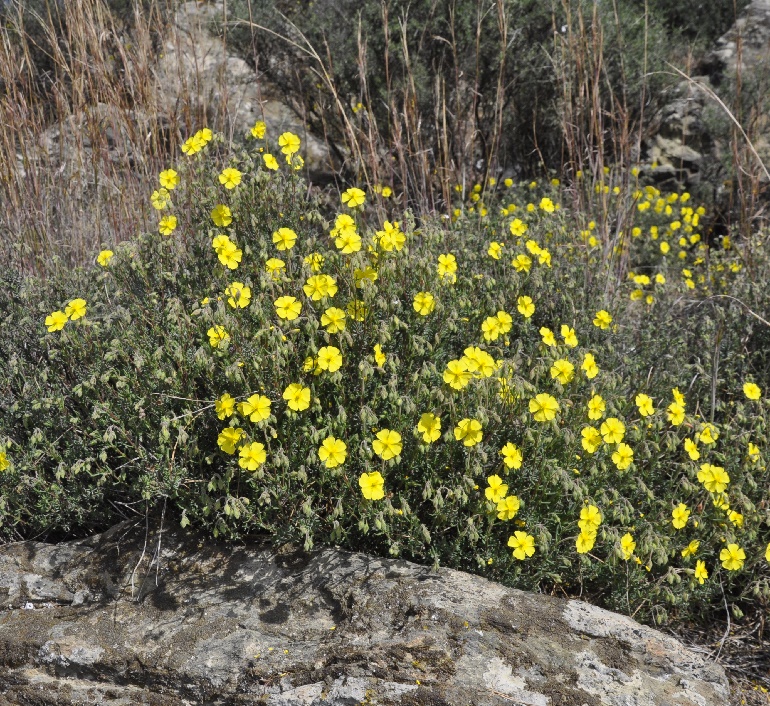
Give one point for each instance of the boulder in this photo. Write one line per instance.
(130, 617)
(197, 74)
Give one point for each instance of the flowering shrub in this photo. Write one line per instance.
(483, 391)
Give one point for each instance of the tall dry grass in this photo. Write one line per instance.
(86, 127)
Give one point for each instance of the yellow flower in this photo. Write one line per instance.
(709, 435)
(714, 478)
(230, 178)
(387, 445)
(767, 553)
(495, 250)
(732, 557)
(160, 199)
(289, 143)
(468, 431)
(736, 518)
(357, 310)
(547, 335)
(270, 161)
(679, 516)
(447, 267)
(333, 452)
(228, 438)
(76, 309)
(496, 489)
(224, 406)
(365, 276)
(221, 215)
(372, 485)
(252, 456)
(612, 430)
(229, 253)
(678, 396)
(259, 129)
(391, 238)
(596, 407)
(691, 548)
(329, 358)
(753, 451)
(379, 356)
(752, 391)
(525, 306)
(523, 545)
(546, 205)
(623, 456)
(701, 573)
(457, 375)
(522, 263)
(563, 371)
(512, 456)
(318, 287)
(168, 179)
(490, 328)
(644, 403)
(4, 462)
(167, 225)
(592, 439)
(217, 336)
(333, 320)
(424, 303)
(504, 321)
(348, 241)
(430, 427)
(315, 262)
(568, 334)
(627, 546)
(543, 407)
(692, 449)
(508, 507)
(104, 257)
(288, 308)
(590, 518)
(274, 267)
(284, 238)
(297, 396)
(533, 247)
(353, 197)
(518, 227)
(238, 295)
(478, 362)
(256, 408)
(585, 542)
(675, 413)
(590, 367)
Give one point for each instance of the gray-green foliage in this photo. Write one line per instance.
(117, 409)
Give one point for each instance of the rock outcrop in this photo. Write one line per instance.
(111, 620)
(197, 65)
(684, 146)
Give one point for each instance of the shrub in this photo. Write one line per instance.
(301, 397)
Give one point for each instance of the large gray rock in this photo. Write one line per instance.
(109, 620)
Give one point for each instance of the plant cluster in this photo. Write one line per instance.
(515, 389)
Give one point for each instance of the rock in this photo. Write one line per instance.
(198, 75)
(203, 622)
(683, 146)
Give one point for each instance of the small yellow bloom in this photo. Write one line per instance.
(230, 178)
(469, 432)
(752, 390)
(424, 303)
(252, 456)
(430, 427)
(288, 308)
(543, 407)
(353, 197)
(644, 403)
(526, 306)
(333, 452)
(732, 557)
(523, 545)
(701, 573)
(104, 257)
(512, 456)
(372, 485)
(297, 396)
(256, 408)
(612, 430)
(679, 516)
(388, 444)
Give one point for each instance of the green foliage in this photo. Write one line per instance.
(118, 409)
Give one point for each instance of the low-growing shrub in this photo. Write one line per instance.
(511, 389)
